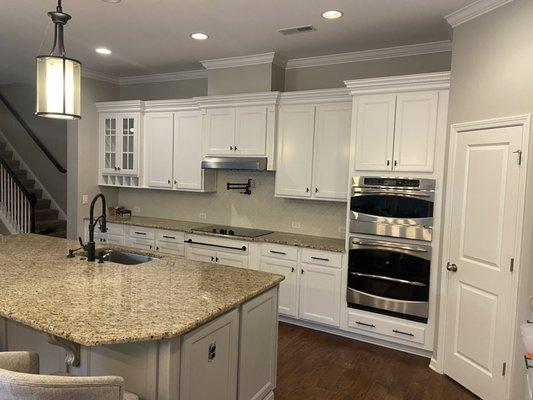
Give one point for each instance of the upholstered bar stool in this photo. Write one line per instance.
(20, 380)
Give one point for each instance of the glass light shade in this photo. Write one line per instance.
(58, 87)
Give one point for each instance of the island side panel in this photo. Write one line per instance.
(3, 334)
(169, 369)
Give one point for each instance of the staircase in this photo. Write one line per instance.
(47, 221)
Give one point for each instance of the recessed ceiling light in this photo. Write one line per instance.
(103, 50)
(332, 14)
(199, 36)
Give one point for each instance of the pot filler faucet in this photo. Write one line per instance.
(90, 246)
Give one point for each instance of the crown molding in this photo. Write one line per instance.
(473, 10)
(236, 100)
(99, 76)
(126, 106)
(313, 96)
(368, 55)
(168, 77)
(404, 83)
(243, 61)
(171, 105)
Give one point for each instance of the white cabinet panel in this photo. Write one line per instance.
(188, 153)
(232, 259)
(375, 132)
(320, 289)
(210, 354)
(416, 128)
(220, 131)
(250, 134)
(115, 239)
(332, 151)
(294, 164)
(130, 136)
(288, 289)
(200, 254)
(110, 146)
(177, 249)
(142, 244)
(159, 141)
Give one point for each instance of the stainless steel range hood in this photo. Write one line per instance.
(243, 163)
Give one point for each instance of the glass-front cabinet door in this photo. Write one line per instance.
(110, 143)
(129, 142)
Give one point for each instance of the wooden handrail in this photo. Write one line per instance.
(32, 135)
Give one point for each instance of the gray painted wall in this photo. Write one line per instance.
(52, 132)
(492, 77)
(164, 90)
(249, 79)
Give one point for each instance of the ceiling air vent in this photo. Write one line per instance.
(297, 29)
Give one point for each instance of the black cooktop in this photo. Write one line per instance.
(233, 231)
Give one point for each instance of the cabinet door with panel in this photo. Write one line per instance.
(319, 294)
(129, 136)
(220, 131)
(288, 288)
(295, 155)
(200, 254)
(250, 133)
(374, 138)
(159, 129)
(232, 259)
(415, 131)
(332, 151)
(188, 150)
(110, 147)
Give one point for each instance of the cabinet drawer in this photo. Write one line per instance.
(170, 236)
(140, 243)
(325, 258)
(381, 325)
(115, 229)
(177, 249)
(279, 251)
(115, 239)
(142, 233)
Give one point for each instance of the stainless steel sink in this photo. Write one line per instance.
(126, 258)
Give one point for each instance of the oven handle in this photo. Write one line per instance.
(190, 241)
(403, 193)
(391, 246)
(387, 278)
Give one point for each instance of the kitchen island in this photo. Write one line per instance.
(173, 328)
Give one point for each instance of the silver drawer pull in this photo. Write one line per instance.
(278, 252)
(320, 258)
(140, 233)
(169, 237)
(390, 246)
(362, 323)
(403, 333)
(388, 278)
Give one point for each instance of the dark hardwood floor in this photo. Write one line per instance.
(316, 365)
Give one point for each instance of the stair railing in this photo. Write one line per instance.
(17, 204)
(32, 135)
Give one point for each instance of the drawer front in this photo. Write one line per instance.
(177, 249)
(142, 233)
(170, 236)
(115, 239)
(279, 251)
(382, 326)
(325, 258)
(115, 229)
(143, 244)
(201, 254)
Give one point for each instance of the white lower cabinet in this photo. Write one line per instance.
(288, 289)
(141, 244)
(231, 259)
(201, 254)
(320, 289)
(211, 354)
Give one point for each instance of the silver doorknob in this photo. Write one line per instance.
(451, 267)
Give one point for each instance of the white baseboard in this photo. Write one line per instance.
(435, 366)
(355, 336)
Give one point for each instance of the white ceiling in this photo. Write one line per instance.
(152, 36)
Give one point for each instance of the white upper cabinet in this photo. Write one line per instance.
(188, 150)
(415, 131)
(159, 143)
(375, 132)
(314, 145)
(129, 160)
(332, 151)
(295, 150)
(220, 131)
(250, 133)
(110, 145)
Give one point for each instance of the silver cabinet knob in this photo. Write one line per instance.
(451, 267)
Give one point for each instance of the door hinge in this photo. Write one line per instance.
(519, 152)
(504, 368)
(511, 265)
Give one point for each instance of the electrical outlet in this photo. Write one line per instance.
(202, 216)
(296, 224)
(137, 209)
(84, 199)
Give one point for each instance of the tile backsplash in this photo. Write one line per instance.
(259, 210)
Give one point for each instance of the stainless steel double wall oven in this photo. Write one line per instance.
(391, 223)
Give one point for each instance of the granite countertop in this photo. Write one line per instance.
(284, 238)
(94, 304)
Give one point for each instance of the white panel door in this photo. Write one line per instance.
(159, 134)
(110, 145)
(220, 131)
(320, 289)
(295, 141)
(188, 153)
(374, 136)
(288, 288)
(416, 128)
(129, 135)
(250, 133)
(232, 259)
(332, 151)
(200, 254)
(482, 243)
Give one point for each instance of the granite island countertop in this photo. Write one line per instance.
(283, 238)
(95, 304)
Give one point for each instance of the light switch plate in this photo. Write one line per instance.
(296, 224)
(84, 199)
(136, 209)
(202, 216)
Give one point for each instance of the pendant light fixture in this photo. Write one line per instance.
(58, 77)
